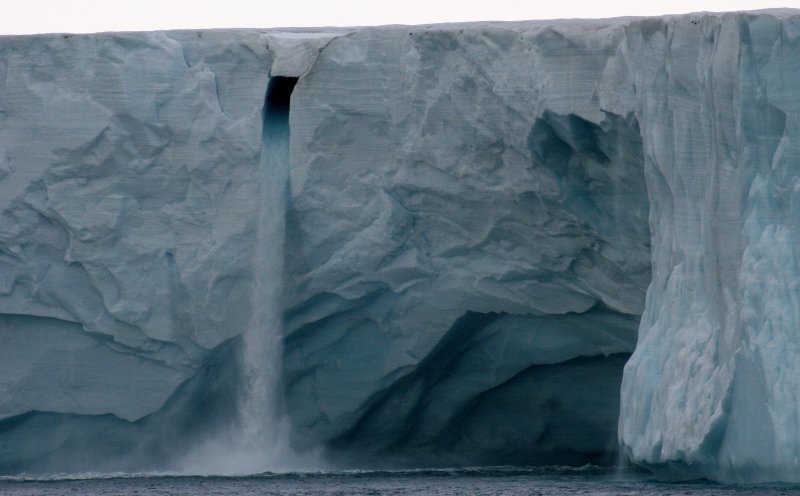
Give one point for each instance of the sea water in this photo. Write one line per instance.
(495, 481)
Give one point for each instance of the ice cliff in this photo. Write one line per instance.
(403, 246)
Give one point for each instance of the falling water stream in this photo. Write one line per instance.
(263, 436)
(259, 441)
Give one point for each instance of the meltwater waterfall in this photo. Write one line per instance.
(257, 441)
(264, 439)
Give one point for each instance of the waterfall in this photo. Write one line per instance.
(259, 441)
(263, 435)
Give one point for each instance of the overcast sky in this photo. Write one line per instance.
(85, 16)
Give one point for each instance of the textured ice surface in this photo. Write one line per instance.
(128, 212)
(713, 388)
(453, 215)
(465, 226)
(450, 235)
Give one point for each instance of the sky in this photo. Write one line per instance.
(86, 16)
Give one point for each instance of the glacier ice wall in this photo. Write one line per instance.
(711, 389)
(126, 234)
(457, 255)
(485, 216)
(147, 223)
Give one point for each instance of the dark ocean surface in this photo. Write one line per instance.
(497, 481)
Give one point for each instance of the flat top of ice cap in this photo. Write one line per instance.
(297, 43)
